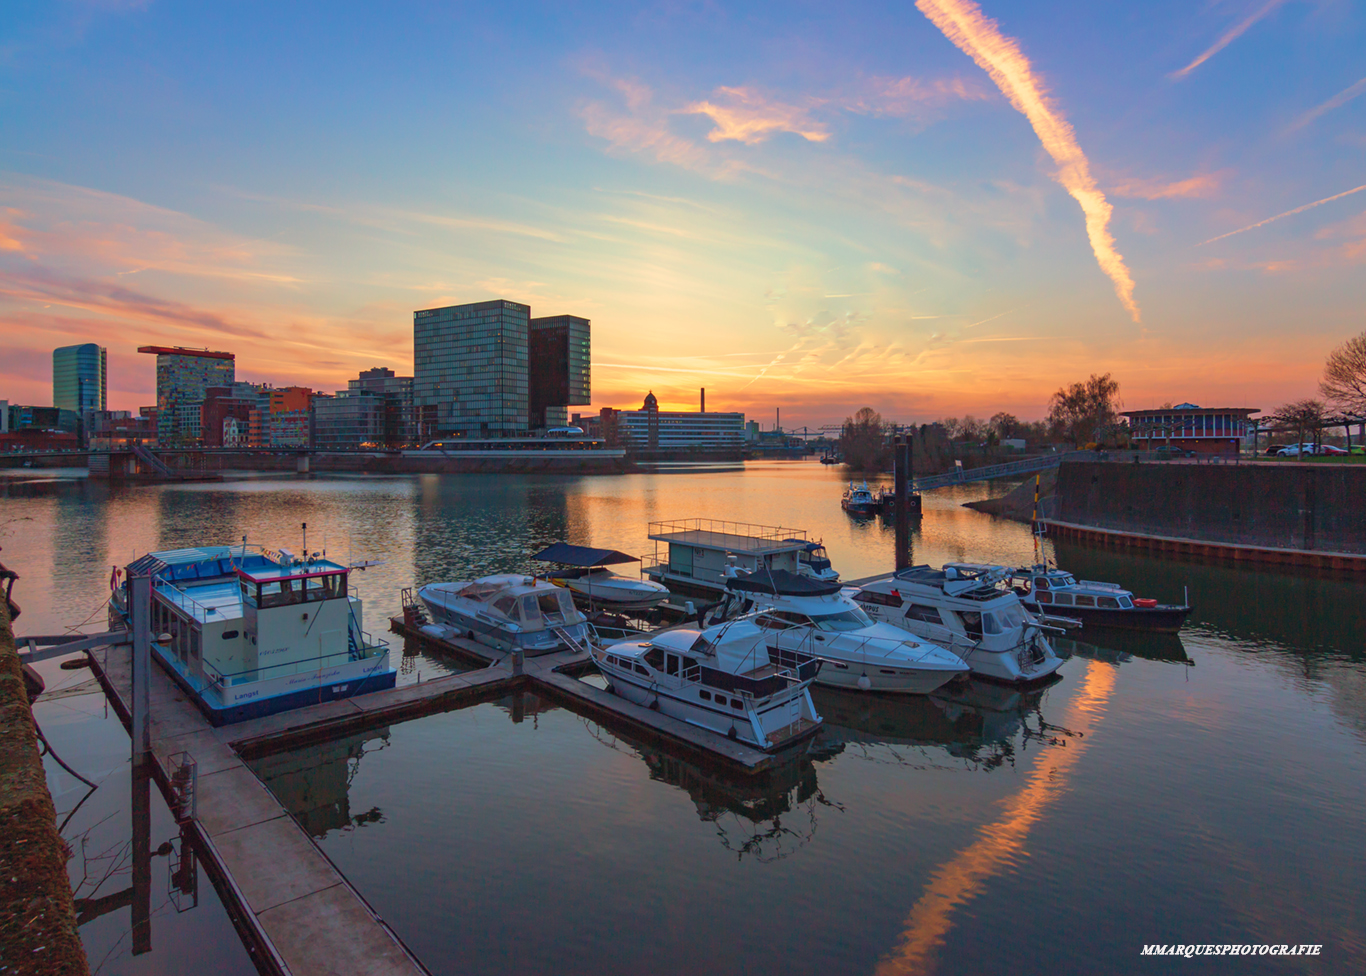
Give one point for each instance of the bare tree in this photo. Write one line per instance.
(862, 441)
(1082, 411)
(1301, 416)
(1344, 375)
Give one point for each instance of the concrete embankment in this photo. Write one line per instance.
(1019, 504)
(1303, 514)
(37, 918)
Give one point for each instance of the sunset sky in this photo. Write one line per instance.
(931, 208)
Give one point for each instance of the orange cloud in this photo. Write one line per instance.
(905, 96)
(1203, 185)
(750, 117)
(978, 36)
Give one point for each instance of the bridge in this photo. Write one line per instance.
(1030, 465)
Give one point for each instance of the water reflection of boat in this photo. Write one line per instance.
(1117, 646)
(313, 783)
(765, 817)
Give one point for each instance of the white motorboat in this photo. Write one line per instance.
(584, 573)
(814, 561)
(860, 500)
(969, 614)
(818, 619)
(726, 678)
(256, 631)
(508, 612)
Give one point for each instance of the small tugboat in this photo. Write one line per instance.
(596, 586)
(967, 612)
(860, 500)
(256, 631)
(829, 459)
(508, 612)
(725, 678)
(1048, 589)
(818, 619)
(813, 561)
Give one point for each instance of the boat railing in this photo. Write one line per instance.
(723, 527)
(197, 609)
(232, 679)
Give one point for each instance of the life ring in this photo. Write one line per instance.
(1145, 603)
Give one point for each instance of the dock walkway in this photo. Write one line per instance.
(288, 892)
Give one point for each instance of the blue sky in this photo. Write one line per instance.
(810, 206)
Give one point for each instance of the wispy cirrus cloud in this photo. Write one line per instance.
(1228, 37)
(1337, 101)
(749, 116)
(1201, 185)
(1288, 213)
(978, 36)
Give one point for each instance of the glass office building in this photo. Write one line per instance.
(80, 378)
(183, 376)
(470, 370)
(559, 368)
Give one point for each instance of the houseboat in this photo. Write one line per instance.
(725, 678)
(967, 612)
(697, 551)
(256, 631)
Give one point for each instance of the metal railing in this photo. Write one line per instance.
(299, 667)
(721, 527)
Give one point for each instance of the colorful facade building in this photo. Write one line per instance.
(183, 376)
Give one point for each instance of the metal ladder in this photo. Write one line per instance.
(563, 635)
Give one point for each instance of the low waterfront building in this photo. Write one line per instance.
(652, 429)
(1205, 430)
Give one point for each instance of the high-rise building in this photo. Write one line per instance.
(559, 368)
(351, 419)
(396, 392)
(470, 369)
(80, 378)
(182, 377)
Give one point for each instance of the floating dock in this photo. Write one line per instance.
(299, 912)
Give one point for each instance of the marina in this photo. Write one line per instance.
(470, 785)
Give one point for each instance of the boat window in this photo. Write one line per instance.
(529, 612)
(972, 622)
(920, 611)
(701, 645)
(881, 599)
(1084, 600)
(1067, 581)
(549, 604)
(654, 657)
(1108, 602)
(479, 592)
(736, 703)
(886, 671)
(1040, 583)
(852, 619)
(1010, 617)
(989, 624)
(248, 593)
(841, 667)
(1125, 603)
(505, 605)
(1044, 597)
(704, 695)
(642, 669)
(194, 645)
(671, 664)
(771, 622)
(228, 634)
(1064, 599)
(795, 619)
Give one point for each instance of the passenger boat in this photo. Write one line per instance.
(818, 619)
(726, 678)
(698, 551)
(508, 612)
(585, 574)
(256, 631)
(969, 614)
(860, 500)
(813, 561)
(1050, 590)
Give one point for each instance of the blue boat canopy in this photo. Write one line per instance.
(567, 555)
(781, 581)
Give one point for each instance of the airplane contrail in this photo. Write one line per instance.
(1288, 213)
(1228, 37)
(979, 37)
(1337, 101)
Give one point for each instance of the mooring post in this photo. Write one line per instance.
(140, 612)
(901, 465)
(517, 661)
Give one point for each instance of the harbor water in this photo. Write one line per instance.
(1200, 789)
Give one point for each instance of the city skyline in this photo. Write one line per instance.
(933, 209)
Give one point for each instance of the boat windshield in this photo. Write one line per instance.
(1003, 619)
(852, 619)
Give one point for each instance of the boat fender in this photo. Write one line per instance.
(864, 682)
(654, 705)
(732, 734)
(433, 630)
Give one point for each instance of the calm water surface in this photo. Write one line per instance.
(1201, 789)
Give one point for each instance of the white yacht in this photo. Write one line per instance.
(966, 612)
(256, 631)
(814, 561)
(583, 571)
(508, 612)
(860, 500)
(726, 678)
(818, 619)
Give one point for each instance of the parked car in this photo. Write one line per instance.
(1295, 450)
(1330, 449)
(1358, 449)
(1173, 450)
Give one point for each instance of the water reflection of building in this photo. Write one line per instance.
(313, 782)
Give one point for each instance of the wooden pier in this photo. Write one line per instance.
(301, 915)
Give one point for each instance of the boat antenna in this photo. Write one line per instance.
(305, 542)
(1035, 520)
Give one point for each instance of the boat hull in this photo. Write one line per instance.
(1161, 619)
(490, 634)
(837, 673)
(609, 596)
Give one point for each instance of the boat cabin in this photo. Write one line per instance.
(699, 550)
